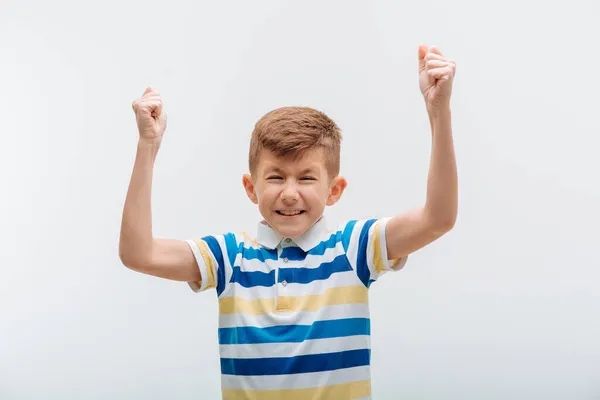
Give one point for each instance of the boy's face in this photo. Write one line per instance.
(292, 194)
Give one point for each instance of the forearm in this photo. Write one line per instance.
(442, 183)
(135, 246)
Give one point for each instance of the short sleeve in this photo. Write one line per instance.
(365, 245)
(212, 255)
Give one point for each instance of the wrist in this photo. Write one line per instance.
(154, 142)
(149, 145)
(440, 116)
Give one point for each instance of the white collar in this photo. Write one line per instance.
(269, 238)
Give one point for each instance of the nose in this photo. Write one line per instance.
(290, 193)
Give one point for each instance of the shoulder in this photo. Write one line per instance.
(354, 230)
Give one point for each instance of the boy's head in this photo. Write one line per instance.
(294, 164)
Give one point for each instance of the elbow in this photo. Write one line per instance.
(126, 259)
(132, 261)
(441, 226)
(440, 220)
(445, 225)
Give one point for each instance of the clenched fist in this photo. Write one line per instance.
(436, 77)
(150, 116)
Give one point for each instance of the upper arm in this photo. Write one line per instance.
(364, 242)
(411, 231)
(171, 259)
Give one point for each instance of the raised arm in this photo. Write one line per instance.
(412, 230)
(138, 249)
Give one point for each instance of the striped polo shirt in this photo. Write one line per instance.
(294, 314)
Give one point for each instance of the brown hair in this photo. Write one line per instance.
(291, 131)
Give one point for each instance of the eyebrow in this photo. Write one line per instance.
(274, 169)
(282, 172)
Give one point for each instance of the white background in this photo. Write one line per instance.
(506, 306)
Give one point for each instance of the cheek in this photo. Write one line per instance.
(314, 195)
(266, 194)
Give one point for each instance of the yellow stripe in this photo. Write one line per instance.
(248, 239)
(351, 390)
(310, 302)
(204, 250)
(377, 259)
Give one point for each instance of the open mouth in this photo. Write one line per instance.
(289, 213)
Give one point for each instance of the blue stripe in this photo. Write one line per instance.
(262, 254)
(252, 278)
(293, 253)
(295, 365)
(347, 234)
(307, 275)
(295, 333)
(215, 248)
(232, 247)
(330, 243)
(362, 266)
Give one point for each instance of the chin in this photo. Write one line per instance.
(297, 233)
(291, 230)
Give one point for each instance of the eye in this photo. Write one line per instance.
(274, 177)
(308, 178)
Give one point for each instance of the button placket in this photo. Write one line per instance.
(282, 300)
(283, 303)
(276, 288)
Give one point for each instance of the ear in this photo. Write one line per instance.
(336, 189)
(249, 187)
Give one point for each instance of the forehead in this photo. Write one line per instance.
(313, 159)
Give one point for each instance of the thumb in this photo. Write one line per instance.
(148, 90)
(434, 49)
(422, 54)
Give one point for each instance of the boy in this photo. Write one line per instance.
(293, 304)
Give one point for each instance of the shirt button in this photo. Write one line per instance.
(284, 283)
(285, 260)
(288, 240)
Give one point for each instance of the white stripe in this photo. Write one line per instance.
(201, 266)
(255, 264)
(295, 318)
(383, 241)
(228, 270)
(253, 293)
(371, 251)
(311, 261)
(316, 346)
(295, 381)
(387, 263)
(315, 260)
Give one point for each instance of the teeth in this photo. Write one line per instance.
(290, 212)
